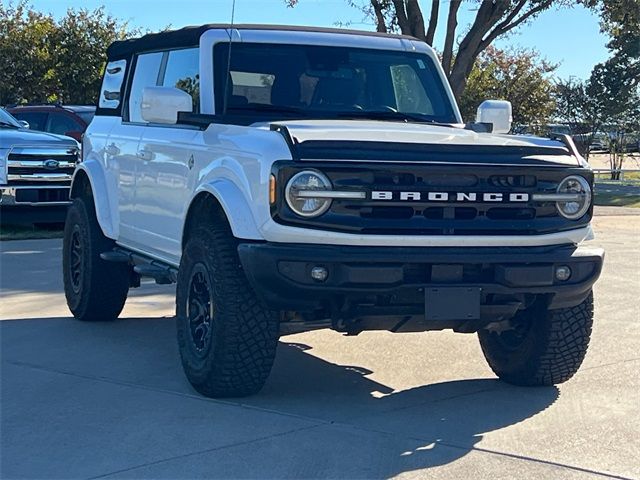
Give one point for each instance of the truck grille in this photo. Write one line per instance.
(41, 175)
(429, 217)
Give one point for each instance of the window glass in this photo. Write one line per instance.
(112, 84)
(86, 116)
(146, 75)
(182, 72)
(410, 93)
(309, 81)
(36, 120)
(60, 124)
(251, 87)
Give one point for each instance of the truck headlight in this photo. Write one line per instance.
(578, 193)
(300, 193)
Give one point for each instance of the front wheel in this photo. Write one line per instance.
(95, 290)
(544, 347)
(227, 338)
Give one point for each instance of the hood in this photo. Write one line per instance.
(12, 137)
(398, 141)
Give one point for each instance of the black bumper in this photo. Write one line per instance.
(27, 214)
(388, 276)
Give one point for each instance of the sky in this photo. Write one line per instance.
(569, 37)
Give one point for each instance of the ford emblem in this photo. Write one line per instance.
(51, 164)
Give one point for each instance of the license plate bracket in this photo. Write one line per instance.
(452, 303)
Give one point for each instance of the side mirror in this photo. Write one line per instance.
(24, 123)
(496, 112)
(162, 104)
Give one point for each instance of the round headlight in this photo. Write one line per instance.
(299, 193)
(574, 208)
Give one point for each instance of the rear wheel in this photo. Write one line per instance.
(545, 347)
(95, 290)
(227, 338)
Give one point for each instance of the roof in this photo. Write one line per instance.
(52, 106)
(190, 36)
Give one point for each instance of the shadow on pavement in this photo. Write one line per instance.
(423, 427)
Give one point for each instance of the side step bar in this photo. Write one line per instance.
(143, 266)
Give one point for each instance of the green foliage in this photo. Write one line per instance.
(517, 75)
(620, 20)
(610, 100)
(45, 60)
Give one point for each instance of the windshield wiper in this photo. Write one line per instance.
(389, 115)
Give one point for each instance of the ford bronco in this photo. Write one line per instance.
(291, 178)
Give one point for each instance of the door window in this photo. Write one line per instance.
(146, 75)
(182, 72)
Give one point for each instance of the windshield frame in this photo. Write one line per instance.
(424, 55)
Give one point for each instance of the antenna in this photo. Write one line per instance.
(228, 75)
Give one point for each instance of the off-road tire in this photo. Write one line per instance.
(551, 350)
(237, 358)
(95, 290)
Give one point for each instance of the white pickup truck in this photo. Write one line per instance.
(294, 178)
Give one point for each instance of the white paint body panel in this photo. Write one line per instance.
(145, 177)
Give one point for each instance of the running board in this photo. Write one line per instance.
(142, 265)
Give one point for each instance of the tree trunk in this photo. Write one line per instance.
(416, 20)
(452, 24)
(488, 15)
(433, 21)
(381, 26)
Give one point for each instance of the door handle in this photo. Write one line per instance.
(112, 150)
(145, 155)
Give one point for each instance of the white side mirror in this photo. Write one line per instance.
(162, 104)
(24, 123)
(496, 112)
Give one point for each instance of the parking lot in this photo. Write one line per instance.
(86, 400)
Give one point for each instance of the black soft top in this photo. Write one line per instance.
(190, 36)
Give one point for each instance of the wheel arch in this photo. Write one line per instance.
(225, 199)
(89, 181)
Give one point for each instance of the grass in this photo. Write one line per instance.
(29, 232)
(617, 200)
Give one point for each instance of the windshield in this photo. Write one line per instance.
(305, 81)
(7, 119)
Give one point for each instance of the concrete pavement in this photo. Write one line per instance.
(110, 401)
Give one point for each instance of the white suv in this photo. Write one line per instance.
(295, 178)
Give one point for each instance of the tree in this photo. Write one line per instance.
(581, 111)
(620, 20)
(26, 63)
(610, 99)
(44, 60)
(517, 75)
(80, 43)
(493, 19)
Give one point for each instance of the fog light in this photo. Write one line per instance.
(563, 273)
(319, 273)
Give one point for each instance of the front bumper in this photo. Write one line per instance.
(391, 278)
(34, 195)
(23, 205)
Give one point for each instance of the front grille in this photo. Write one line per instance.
(431, 217)
(41, 165)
